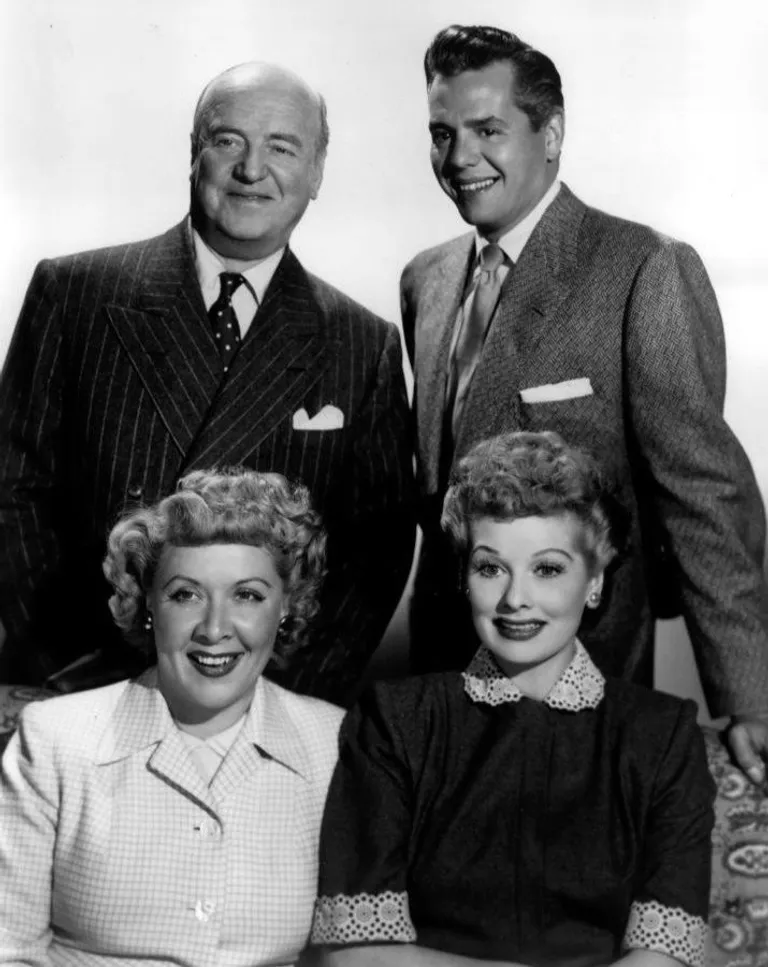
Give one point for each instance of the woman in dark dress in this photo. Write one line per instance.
(528, 810)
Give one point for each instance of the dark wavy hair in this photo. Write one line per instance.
(230, 506)
(538, 88)
(534, 475)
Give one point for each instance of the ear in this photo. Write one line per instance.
(316, 177)
(595, 585)
(193, 151)
(554, 132)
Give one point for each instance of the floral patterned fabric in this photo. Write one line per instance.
(738, 913)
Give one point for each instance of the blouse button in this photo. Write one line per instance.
(135, 491)
(204, 910)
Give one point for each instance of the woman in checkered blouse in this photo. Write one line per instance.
(174, 818)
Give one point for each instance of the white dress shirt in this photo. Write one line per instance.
(246, 298)
(209, 753)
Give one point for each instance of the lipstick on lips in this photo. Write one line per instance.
(214, 666)
(518, 630)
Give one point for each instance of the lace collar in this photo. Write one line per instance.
(580, 686)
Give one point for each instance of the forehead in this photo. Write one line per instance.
(527, 536)
(216, 564)
(262, 106)
(474, 93)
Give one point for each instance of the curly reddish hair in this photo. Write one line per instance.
(528, 474)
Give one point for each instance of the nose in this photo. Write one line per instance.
(215, 624)
(514, 596)
(463, 152)
(250, 165)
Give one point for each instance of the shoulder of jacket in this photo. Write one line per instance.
(335, 303)
(74, 718)
(432, 257)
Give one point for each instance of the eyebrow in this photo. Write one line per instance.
(484, 547)
(219, 128)
(190, 580)
(482, 122)
(555, 550)
(290, 138)
(545, 550)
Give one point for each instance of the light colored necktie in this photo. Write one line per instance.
(469, 345)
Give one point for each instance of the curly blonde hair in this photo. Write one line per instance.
(229, 506)
(527, 474)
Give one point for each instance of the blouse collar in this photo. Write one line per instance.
(581, 685)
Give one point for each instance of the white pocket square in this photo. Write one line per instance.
(569, 389)
(329, 418)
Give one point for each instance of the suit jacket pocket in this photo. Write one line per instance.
(585, 421)
(316, 457)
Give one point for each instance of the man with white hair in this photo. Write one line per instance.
(207, 345)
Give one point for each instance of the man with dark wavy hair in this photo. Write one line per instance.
(551, 315)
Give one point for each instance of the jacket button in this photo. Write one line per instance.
(135, 492)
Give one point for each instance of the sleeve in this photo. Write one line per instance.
(671, 896)
(362, 895)
(28, 820)
(370, 539)
(30, 417)
(696, 482)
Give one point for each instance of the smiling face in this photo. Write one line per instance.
(216, 611)
(485, 154)
(255, 164)
(528, 582)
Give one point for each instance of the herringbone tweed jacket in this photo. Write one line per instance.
(595, 297)
(113, 388)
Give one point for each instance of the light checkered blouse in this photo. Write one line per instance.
(112, 846)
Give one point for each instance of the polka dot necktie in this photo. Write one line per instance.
(223, 319)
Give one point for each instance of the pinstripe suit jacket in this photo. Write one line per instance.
(598, 297)
(112, 848)
(113, 388)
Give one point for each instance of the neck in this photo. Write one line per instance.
(537, 681)
(237, 255)
(494, 235)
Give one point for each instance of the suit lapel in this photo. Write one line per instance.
(442, 296)
(533, 292)
(284, 353)
(268, 733)
(166, 333)
(142, 720)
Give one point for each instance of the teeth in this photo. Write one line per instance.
(475, 186)
(213, 660)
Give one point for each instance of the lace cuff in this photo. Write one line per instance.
(363, 918)
(668, 930)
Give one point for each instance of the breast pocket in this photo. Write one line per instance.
(317, 457)
(586, 421)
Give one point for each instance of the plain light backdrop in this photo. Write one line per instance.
(666, 124)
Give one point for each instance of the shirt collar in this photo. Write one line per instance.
(209, 266)
(515, 239)
(581, 685)
(142, 718)
(272, 729)
(220, 743)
